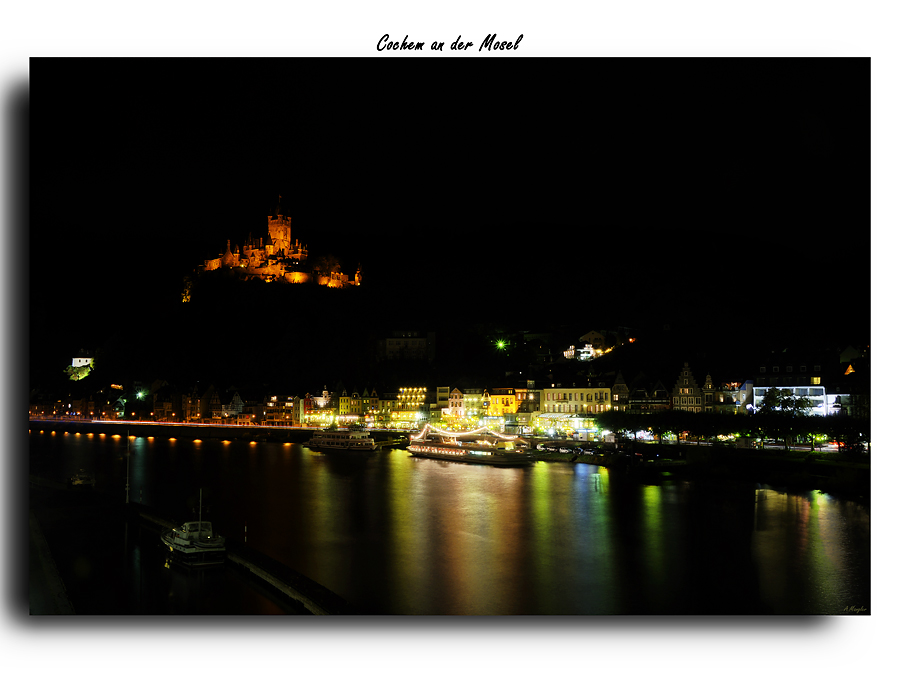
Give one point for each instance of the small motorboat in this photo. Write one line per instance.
(82, 479)
(194, 544)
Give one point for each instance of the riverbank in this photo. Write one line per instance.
(223, 432)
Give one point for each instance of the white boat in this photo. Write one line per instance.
(341, 439)
(481, 446)
(194, 544)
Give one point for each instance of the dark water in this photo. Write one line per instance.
(394, 534)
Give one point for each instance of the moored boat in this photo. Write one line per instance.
(481, 446)
(82, 479)
(194, 544)
(341, 439)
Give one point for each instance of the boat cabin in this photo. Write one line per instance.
(197, 529)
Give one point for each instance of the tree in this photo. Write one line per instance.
(782, 414)
(708, 425)
(327, 265)
(614, 420)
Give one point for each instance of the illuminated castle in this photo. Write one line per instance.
(275, 259)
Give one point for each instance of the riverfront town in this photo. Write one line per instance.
(600, 331)
(458, 395)
(820, 398)
(606, 385)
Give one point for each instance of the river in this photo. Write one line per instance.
(393, 534)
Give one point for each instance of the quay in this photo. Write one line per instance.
(232, 432)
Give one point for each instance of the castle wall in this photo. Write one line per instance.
(296, 277)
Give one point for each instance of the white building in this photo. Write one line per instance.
(591, 400)
(80, 361)
(821, 404)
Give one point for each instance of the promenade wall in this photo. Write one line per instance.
(201, 431)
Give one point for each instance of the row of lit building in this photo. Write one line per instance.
(833, 383)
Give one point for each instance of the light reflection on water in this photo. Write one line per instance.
(403, 535)
(819, 570)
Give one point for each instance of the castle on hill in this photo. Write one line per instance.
(274, 258)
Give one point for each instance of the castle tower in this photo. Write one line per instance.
(280, 229)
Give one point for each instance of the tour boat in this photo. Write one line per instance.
(341, 439)
(481, 446)
(194, 544)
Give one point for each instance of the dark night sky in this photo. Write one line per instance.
(747, 178)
